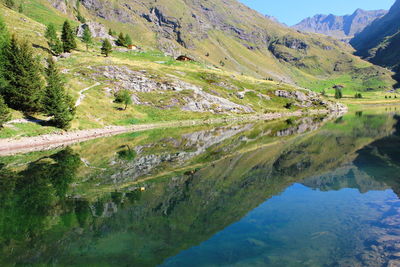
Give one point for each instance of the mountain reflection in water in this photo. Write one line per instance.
(220, 194)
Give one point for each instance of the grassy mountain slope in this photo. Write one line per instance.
(163, 89)
(232, 37)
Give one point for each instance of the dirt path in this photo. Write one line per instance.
(11, 146)
(82, 96)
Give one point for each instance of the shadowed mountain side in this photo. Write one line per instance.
(381, 160)
(346, 177)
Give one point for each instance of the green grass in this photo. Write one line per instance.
(26, 130)
(42, 12)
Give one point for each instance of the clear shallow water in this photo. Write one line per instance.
(301, 192)
(301, 227)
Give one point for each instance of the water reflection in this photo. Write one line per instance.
(139, 199)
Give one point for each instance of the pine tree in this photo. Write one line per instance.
(21, 8)
(53, 41)
(110, 32)
(4, 41)
(5, 114)
(87, 37)
(56, 102)
(106, 48)
(23, 75)
(338, 93)
(121, 40)
(68, 37)
(128, 40)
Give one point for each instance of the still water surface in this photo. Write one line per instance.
(298, 192)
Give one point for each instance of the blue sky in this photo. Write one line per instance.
(293, 11)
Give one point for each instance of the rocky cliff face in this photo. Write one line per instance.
(342, 27)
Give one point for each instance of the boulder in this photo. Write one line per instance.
(98, 30)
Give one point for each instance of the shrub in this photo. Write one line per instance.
(124, 97)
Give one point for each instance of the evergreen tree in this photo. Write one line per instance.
(338, 93)
(21, 8)
(68, 37)
(53, 41)
(106, 48)
(4, 40)
(56, 102)
(80, 17)
(110, 32)
(121, 40)
(128, 40)
(87, 37)
(5, 114)
(23, 75)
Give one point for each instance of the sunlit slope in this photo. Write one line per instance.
(229, 36)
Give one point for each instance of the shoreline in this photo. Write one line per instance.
(12, 146)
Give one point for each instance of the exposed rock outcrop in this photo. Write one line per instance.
(97, 30)
(139, 82)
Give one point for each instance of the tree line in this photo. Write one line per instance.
(28, 85)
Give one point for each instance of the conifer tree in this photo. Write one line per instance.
(87, 37)
(68, 37)
(121, 40)
(23, 75)
(106, 48)
(5, 114)
(4, 40)
(128, 40)
(53, 41)
(338, 93)
(56, 102)
(110, 32)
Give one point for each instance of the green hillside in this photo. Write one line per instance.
(225, 34)
(243, 64)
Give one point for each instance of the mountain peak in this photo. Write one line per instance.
(342, 27)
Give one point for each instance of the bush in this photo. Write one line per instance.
(124, 97)
(358, 95)
(9, 3)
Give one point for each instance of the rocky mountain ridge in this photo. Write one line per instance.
(342, 27)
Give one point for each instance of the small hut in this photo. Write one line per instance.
(184, 58)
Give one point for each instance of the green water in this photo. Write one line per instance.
(298, 192)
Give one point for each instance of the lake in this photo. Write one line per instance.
(310, 191)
